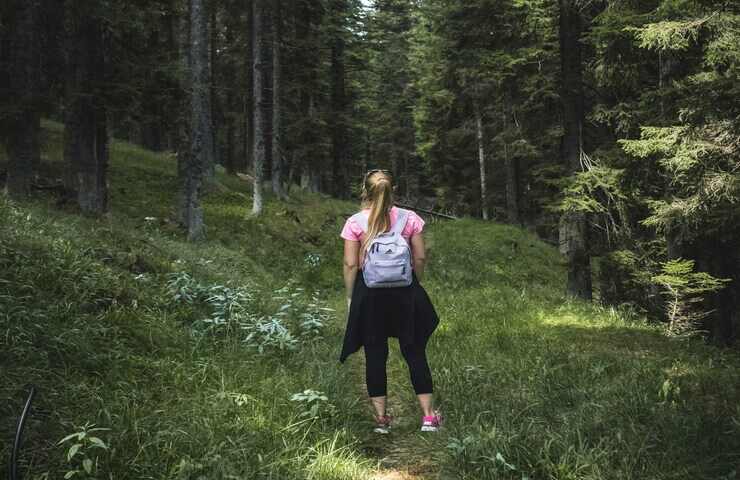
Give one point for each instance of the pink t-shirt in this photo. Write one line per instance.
(414, 225)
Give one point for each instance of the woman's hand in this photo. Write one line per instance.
(349, 301)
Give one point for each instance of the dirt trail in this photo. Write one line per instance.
(405, 453)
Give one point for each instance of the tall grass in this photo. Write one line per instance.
(532, 385)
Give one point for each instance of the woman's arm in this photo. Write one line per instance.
(351, 265)
(419, 253)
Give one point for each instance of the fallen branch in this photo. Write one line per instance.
(428, 212)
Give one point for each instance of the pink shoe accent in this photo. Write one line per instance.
(430, 423)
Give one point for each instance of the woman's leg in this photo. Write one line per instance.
(376, 357)
(421, 376)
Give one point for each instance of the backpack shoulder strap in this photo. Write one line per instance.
(360, 219)
(403, 216)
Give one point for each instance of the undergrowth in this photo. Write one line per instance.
(220, 359)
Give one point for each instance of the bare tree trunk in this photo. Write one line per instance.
(180, 26)
(368, 157)
(216, 109)
(205, 104)
(229, 157)
(305, 177)
(20, 126)
(338, 101)
(260, 65)
(197, 158)
(291, 171)
(36, 142)
(249, 96)
(86, 136)
(277, 154)
(512, 177)
(171, 22)
(481, 160)
(150, 134)
(20, 158)
(573, 226)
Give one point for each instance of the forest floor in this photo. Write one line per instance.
(220, 359)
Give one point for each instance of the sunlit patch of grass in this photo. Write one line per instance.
(330, 460)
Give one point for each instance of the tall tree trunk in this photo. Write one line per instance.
(86, 136)
(216, 108)
(36, 142)
(368, 157)
(197, 158)
(414, 165)
(312, 156)
(249, 102)
(512, 177)
(174, 54)
(204, 104)
(573, 226)
(260, 65)
(338, 101)
(277, 147)
(315, 185)
(20, 127)
(151, 123)
(229, 156)
(481, 160)
(181, 112)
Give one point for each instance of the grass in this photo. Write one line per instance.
(532, 385)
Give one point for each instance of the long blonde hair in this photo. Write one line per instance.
(377, 194)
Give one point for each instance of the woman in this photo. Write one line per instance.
(378, 313)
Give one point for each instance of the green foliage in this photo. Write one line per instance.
(496, 55)
(233, 312)
(666, 74)
(82, 454)
(313, 403)
(594, 190)
(669, 35)
(701, 173)
(685, 290)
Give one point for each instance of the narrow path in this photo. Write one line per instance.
(405, 453)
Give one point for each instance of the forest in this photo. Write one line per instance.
(175, 174)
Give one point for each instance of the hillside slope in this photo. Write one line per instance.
(192, 354)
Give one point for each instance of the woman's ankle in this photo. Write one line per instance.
(426, 404)
(379, 405)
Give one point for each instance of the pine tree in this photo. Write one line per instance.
(573, 224)
(260, 65)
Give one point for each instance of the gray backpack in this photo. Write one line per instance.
(388, 259)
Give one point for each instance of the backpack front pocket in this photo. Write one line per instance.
(386, 271)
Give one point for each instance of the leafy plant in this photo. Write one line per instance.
(313, 403)
(313, 260)
(81, 453)
(183, 288)
(269, 333)
(315, 317)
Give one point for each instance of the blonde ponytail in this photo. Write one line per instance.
(377, 194)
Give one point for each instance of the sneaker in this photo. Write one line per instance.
(431, 423)
(382, 424)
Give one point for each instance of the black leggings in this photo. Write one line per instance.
(416, 359)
